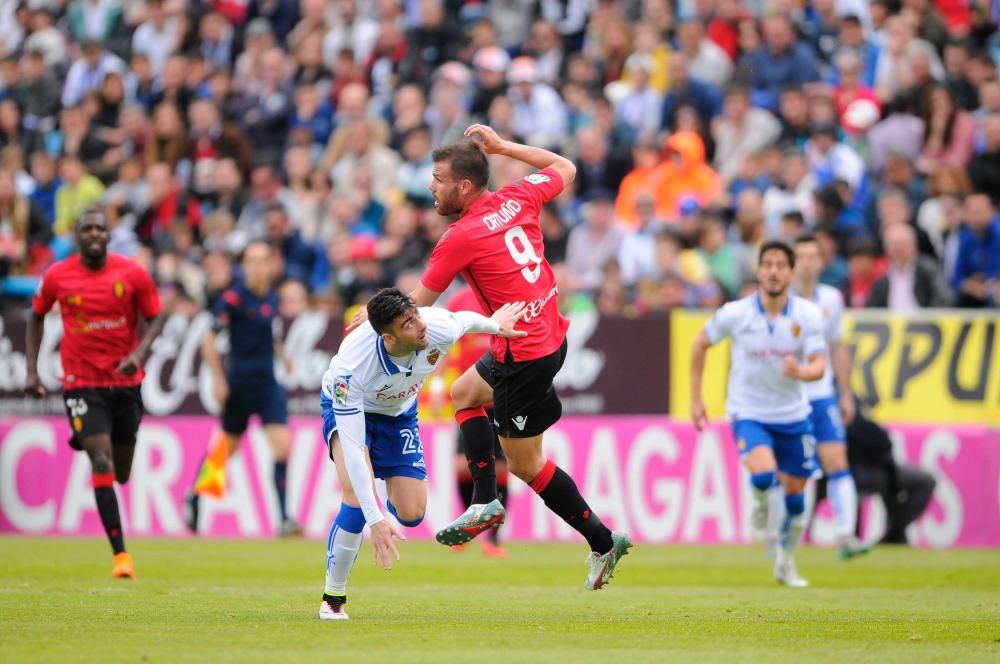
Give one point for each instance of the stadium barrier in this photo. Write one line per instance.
(652, 476)
(614, 366)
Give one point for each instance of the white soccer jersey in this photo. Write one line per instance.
(831, 307)
(757, 389)
(363, 377)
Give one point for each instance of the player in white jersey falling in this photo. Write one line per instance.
(828, 415)
(777, 345)
(369, 402)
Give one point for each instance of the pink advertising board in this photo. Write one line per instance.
(656, 478)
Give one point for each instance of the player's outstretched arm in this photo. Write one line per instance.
(537, 157)
(33, 384)
(698, 414)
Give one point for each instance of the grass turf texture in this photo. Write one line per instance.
(256, 601)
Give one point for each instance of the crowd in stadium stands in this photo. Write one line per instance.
(699, 129)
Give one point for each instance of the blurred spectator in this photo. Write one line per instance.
(87, 73)
(293, 299)
(491, 78)
(793, 112)
(834, 266)
(431, 43)
(831, 160)
(684, 90)
(707, 62)
(683, 174)
(555, 236)
(782, 61)
(37, 92)
(718, 254)
(911, 281)
(949, 131)
(977, 270)
(637, 255)
(266, 189)
(268, 107)
(740, 132)
(210, 140)
(281, 14)
(351, 31)
(168, 142)
(636, 184)
(158, 36)
(638, 112)
(946, 187)
(415, 173)
(299, 260)
(539, 112)
(78, 191)
(791, 192)
(596, 169)
(984, 168)
(47, 183)
(24, 233)
(864, 268)
(595, 242)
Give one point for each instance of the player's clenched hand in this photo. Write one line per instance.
(385, 548)
(129, 365)
(359, 319)
(790, 367)
(491, 142)
(698, 414)
(33, 386)
(507, 316)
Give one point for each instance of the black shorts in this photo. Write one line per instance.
(270, 401)
(524, 400)
(497, 450)
(116, 411)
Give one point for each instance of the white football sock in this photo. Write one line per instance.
(844, 499)
(341, 551)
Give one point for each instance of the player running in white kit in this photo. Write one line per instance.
(777, 345)
(829, 414)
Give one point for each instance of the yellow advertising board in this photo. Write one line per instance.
(935, 366)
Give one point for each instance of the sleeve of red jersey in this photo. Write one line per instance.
(146, 295)
(45, 296)
(447, 260)
(536, 189)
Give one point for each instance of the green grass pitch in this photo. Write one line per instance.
(256, 601)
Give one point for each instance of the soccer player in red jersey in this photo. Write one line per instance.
(101, 297)
(496, 244)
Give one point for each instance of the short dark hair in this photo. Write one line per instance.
(806, 238)
(777, 245)
(386, 306)
(795, 217)
(467, 160)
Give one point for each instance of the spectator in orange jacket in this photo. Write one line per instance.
(683, 173)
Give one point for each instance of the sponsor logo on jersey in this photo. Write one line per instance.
(537, 178)
(340, 386)
(433, 356)
(119, 289)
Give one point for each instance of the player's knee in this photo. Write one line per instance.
(795, 504)
(525, 467)
(122, 474)
(834, 458)
(407, 515)
(763, 481)
(101, 462)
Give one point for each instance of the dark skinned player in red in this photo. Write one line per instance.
(102, 298)
(495, 243)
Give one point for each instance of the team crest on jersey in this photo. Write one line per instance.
(433, 356)
(340, 385)
(74, 300)
(741, 444)
(119, 289)
(796, 330)
(537, 178)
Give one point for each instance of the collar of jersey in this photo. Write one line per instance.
(388, 365)
(759, 308)
(480, 203)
